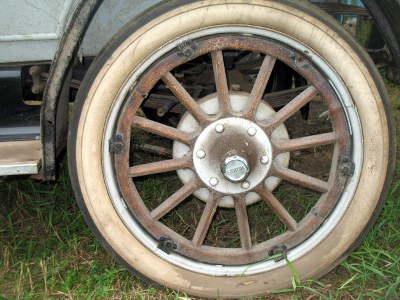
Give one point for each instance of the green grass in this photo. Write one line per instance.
(47, 251)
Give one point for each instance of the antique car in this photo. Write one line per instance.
(180, 115)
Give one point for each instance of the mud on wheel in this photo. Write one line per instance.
(264, 146)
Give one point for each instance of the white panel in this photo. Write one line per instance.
(30, 29)
(110, 17)
(20, 158)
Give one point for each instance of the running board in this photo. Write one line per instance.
(20, 158)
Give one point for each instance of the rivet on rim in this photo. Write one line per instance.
(116, 144)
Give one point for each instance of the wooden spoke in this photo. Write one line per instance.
(220, 80)
(277, 207)
(260, 85)
(243, 222)
(289, 109)
(160, 167)
(184, 97)
(300, 179)
(161, 129)
(175, 199)
(206, 219)
(304, 142)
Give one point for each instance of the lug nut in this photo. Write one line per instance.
(219, 128)
(264, 159)
(200, 153)
(214, 181)
(252, 131)
(245, 185)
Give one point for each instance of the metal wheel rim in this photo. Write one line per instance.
(294, 253)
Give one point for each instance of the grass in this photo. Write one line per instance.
(47, 251)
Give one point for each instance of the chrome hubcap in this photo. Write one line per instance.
(235, 168)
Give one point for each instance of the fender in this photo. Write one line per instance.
(386, 16)
(54, 121)
(60, 68)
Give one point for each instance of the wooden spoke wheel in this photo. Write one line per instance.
(247, 183)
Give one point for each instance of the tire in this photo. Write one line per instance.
(359, 143)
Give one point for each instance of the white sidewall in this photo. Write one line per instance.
(265, 14)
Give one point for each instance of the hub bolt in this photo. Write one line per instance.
(219, 128)
(264, 159)
(245, 185)
(201, 154)
(252, 131)
(214, 181)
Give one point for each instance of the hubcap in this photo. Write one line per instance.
(230, 147)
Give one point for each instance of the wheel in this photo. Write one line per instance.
(234, 186)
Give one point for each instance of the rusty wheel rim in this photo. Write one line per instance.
(248, 252)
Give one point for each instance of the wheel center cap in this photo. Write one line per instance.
(227, 155)
(227, 138)
(235, 168)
